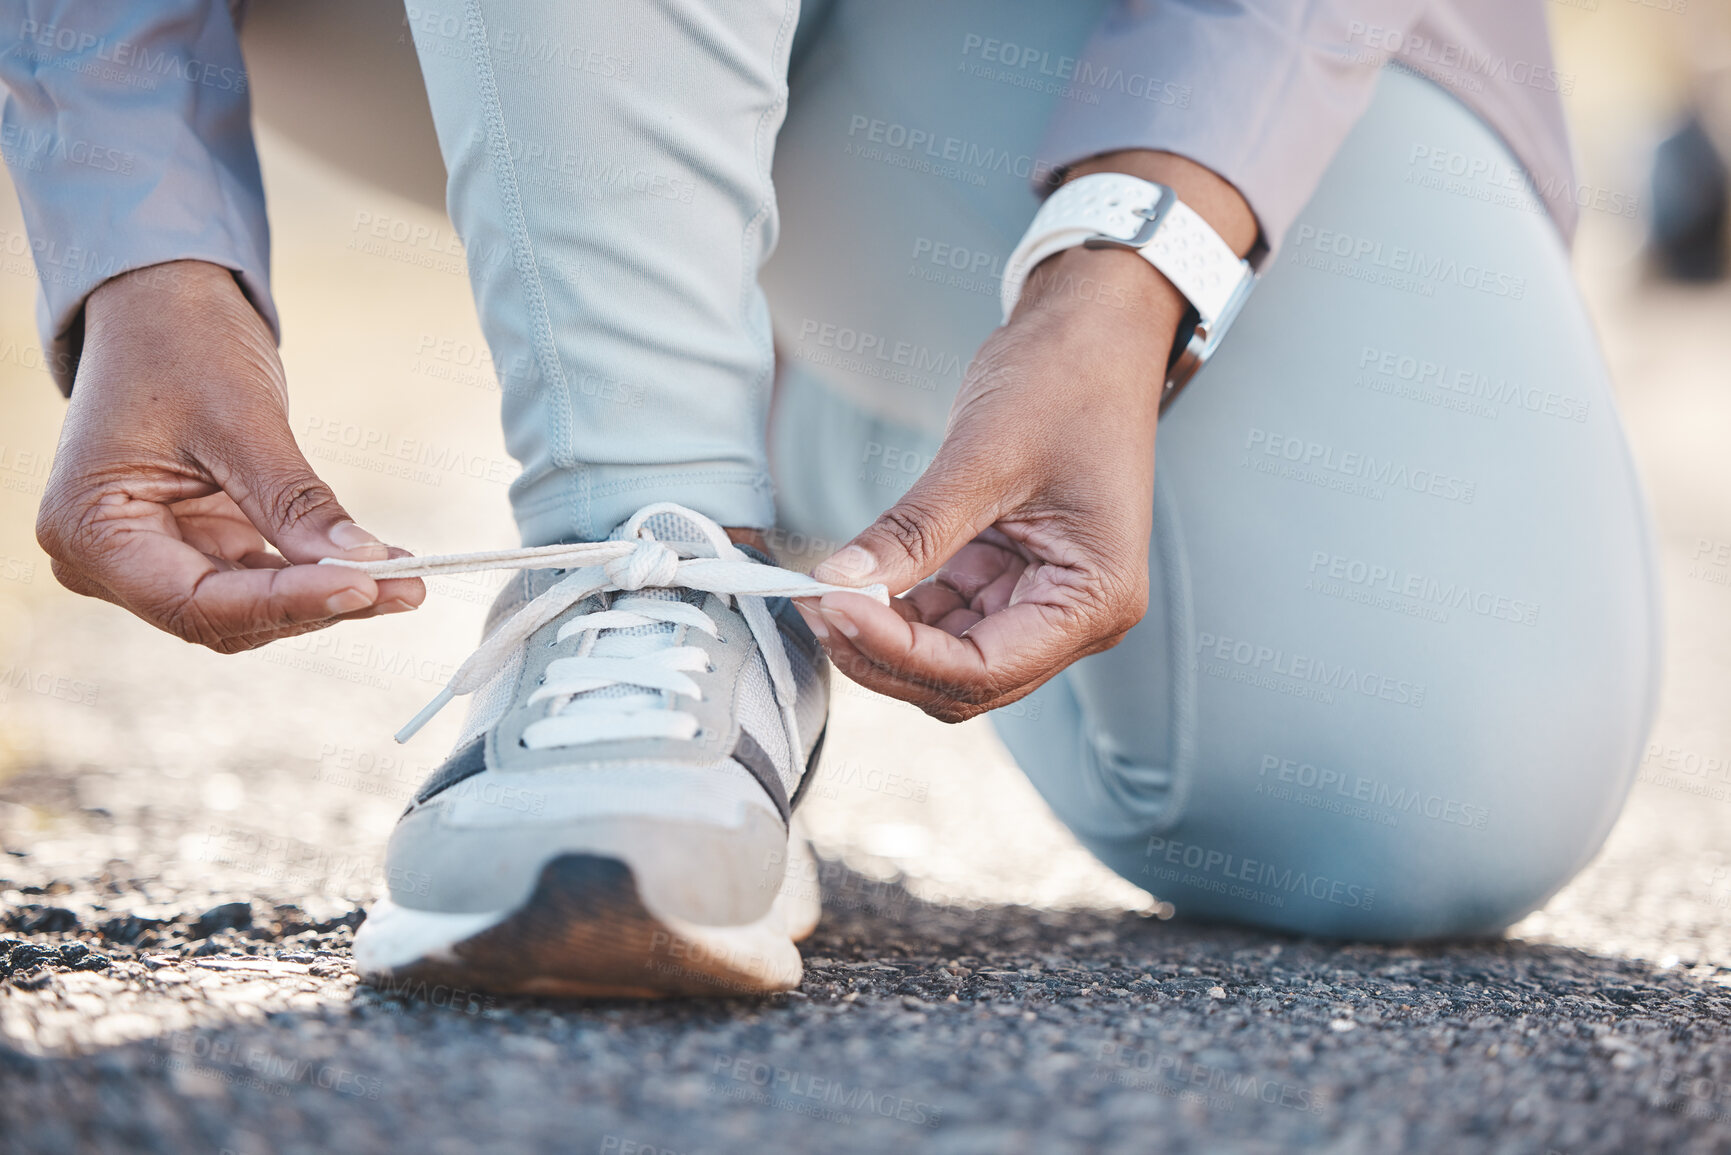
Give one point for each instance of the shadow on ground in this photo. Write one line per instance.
(1002, 1029)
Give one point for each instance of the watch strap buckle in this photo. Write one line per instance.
(1152, 218)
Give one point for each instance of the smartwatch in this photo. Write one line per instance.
(1118, 211)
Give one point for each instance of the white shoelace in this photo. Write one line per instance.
(639, 562)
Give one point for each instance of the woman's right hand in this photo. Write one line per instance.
(177, 472)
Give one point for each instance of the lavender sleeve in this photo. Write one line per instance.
(127, 132)
(1262, 92)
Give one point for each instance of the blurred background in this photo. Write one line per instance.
(275, 770)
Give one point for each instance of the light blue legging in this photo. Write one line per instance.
(1401, 649)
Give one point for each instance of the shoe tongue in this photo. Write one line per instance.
(668, 526)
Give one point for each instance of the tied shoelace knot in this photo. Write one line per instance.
(638, 562)
(650, 563)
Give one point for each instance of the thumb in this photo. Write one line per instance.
(912, 539)
(292, 507)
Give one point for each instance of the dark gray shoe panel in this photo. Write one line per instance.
(757, 760)
(468, 761)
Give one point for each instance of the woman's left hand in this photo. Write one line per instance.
(1027, 535)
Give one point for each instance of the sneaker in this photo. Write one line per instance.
(616, 818)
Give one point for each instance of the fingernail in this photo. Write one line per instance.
(347, 535)
(813, 621)
(840, 621)
(347, 602)
(850, 566)
(395, 606)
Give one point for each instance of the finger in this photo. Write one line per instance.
(292, 507)
(873, 671)
(219, 527)
(1000, 591)
(214, 525)
(1003, 657)
(135, 554)
(981, 579)
(977, 565)
(947, 507)
(395, 596)
(253, 641)
(228, 605)
(932, 601)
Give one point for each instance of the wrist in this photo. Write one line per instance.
(1111, 289)
(185, 323)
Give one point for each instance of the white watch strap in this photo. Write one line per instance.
(1184, 248)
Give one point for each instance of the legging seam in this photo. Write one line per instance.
(764, 335)
(1175, 580)
(523, 257)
